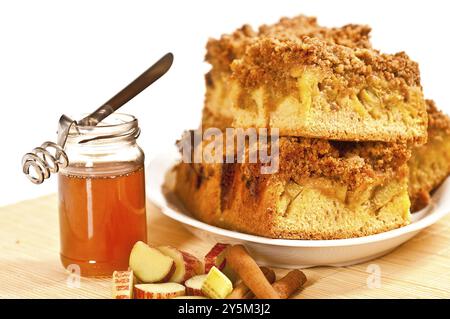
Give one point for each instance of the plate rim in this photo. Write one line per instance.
(432, 212)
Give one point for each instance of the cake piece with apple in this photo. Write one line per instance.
(429, 165)
(308, 81)
(218, 110)
(322, 190)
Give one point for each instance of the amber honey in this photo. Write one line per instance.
(100, 220)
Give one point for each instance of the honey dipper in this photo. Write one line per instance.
(44, 161)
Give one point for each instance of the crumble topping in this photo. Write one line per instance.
(268, 54)
(222, 52)
(436, 119)
(352, 163)
(270, 60)
(350, 35)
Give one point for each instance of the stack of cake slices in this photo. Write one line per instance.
(349, 118)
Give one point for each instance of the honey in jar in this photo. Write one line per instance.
(102, 196)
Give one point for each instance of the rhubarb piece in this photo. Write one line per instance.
(216, 257)
(159, 291)
(187, 265)
(150, 265)
(122, 284)
(216, 284)
(194, 285)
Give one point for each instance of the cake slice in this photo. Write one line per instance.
(223, 51)
(322, 190)
(313, 82)
(429, 165)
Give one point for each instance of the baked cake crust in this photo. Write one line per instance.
(323, 190)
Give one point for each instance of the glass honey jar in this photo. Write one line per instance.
(102, 196)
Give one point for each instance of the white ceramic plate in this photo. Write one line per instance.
(288, 253)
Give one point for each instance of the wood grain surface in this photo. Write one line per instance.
(30, 267)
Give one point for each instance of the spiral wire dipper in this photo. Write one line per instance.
(50, 157)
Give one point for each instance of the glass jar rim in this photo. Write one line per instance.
(117, 125)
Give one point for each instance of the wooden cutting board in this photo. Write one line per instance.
(30, 267)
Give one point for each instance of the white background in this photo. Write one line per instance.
(71, 56)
